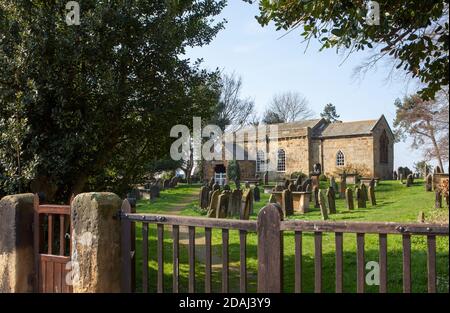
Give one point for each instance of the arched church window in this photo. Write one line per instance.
(384, 148)
(340, 158)
(281, 164)
(260, 161)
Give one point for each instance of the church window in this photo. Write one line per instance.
(281, 164)
(340, 158)
(384, 148)
(260, 161)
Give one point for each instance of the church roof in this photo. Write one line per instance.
(349, 128)
(299, 124)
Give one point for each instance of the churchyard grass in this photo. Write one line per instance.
(396, 203)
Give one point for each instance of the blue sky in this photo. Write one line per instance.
(269, 64)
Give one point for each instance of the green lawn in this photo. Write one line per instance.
(395, 203)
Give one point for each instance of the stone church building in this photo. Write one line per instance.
(333, 146)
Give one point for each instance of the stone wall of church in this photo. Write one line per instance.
(383, 170)
(358, 151)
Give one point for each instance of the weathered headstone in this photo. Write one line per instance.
(360, 199)
(331, 197)
(299, 188)
(166, 183)
(213, 203)
(349, 199)
(286, 203)
(222, 210)
(256, 194)
(306, 183)
(323, 205)
(316, 197)
(429, 183)
(372, 198)
(372, 183)
(279, 188)
(246, 204)
(216, 186)
(234, 204)
(409, 180)
(286, 184)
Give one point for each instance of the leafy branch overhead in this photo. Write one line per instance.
(414, 33)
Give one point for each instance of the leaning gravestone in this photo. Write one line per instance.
(234, 205)
(409, 180)
(429, 183)
(246, 204)
(257, 193)
(349, 199)
(213, 204)
(286, 203)
(222, 209)
(342, 188)
(331, 197)
(323, 205)
(360, 200)
(372, 198)
(316, 197)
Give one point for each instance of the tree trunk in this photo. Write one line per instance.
(436, 147)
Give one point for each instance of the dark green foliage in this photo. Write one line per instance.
(86, 107)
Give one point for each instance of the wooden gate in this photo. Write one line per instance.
(51, 247)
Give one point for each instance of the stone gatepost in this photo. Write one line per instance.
(16, 243)
(96, 245)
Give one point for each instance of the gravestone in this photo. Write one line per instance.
(222, 210)
(256, 193)
(299, 188)
(279, 188)
(429, 183)
(409, 180)
(323, 205)
(438, 199)
(349, 199)
(266, 178)
(316, 197)
(234, 204)
(286, 184)
(364, 192)
(360, 200)
(395, 175)
(286, 203)
(246, 204)
(331, 197)
(372, 198)
(213, 203)
(400, 178)
(166, 183)
(204, 191)
(216, 186)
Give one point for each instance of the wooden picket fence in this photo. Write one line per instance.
(270, 229)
